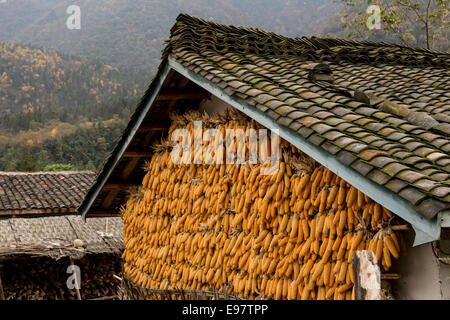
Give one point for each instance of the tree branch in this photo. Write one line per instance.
(427, 26)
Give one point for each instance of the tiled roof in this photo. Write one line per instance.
(382, 109)
(43, 190)
(54, 236)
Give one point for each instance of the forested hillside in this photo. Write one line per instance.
(35, 80)
(65, 109)
(80, 139)
(84, 147)
(60, 109)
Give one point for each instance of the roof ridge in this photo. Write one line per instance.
(72, 172)
(195, 34)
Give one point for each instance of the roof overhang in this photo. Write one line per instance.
(119, 150)
(426, 230)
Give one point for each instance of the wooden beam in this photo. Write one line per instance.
(103, 213)
(148, 138)
(2, 293)
(177, 94)
(107, 201)
(129, 168)
(153, 127)
(390, 276)
(137, 154)
(77, 285)
(118, 186)
(48, 211)
(105, 298)
(401, 227)
(181, 85)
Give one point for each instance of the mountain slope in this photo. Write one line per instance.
(128, 33)
(34, 79)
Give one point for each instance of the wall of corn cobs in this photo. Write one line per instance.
(290, 235)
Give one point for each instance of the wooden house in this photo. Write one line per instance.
(41, 235)
(366, 123)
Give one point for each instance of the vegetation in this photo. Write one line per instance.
(34, 80)
(416, 23)
(85, 148)
(60, 112)
(131, 34)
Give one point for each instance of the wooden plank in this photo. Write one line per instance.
(181, 85)
(148, 138)
(401, 227)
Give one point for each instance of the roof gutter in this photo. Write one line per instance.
(120, 149)
(426, 230)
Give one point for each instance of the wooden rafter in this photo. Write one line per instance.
(153, 127)
(133, 156)
(103, 213)
(137, 154)
(119, 186)
(107, 201)
(177, 94)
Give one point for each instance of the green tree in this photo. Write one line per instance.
(90, 165)
(58, 167)
(420, 23)
(28, 162)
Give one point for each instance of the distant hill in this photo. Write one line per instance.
(58, 109)
(34, 79)
(65, 107)
(129, 33)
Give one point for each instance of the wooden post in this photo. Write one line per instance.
(366, 275)
(76, 281)
(2, 293)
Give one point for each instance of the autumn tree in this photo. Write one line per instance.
(419, 23)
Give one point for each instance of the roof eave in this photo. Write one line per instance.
(119, 150)
(426, 230)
